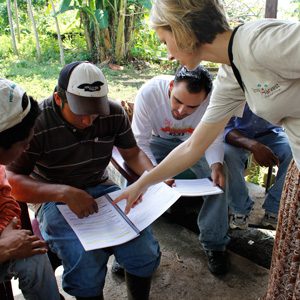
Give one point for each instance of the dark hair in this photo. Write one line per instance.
(21, 131)
(196, 80)
(62, 94)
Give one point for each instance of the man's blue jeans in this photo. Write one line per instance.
(85, 271)
(213, 215)
(235, 157)
(36, 277)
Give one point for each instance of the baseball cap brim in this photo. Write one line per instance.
(88, 105)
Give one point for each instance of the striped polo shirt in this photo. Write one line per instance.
(60, 153)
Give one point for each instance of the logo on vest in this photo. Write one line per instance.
(265, 90)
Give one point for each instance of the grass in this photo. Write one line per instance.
(39, 79)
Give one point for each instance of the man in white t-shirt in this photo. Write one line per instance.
(167, 110)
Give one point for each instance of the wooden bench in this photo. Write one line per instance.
(121, 166)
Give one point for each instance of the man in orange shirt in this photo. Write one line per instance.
(21, 254)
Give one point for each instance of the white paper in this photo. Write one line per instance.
(109, 228)
(196, 187)
(100, 230)
(155, 202)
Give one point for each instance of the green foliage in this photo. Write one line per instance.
(254, 175)
(64, 6)
(147, 46)
(5, 46)
(143, 3)
(143, 44)
(102, 18)
(244, 10)
(258, 175)
(37, 79)
(3, 18)
(75, 48)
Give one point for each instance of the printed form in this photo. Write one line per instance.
(110, 226)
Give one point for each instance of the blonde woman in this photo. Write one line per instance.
(260, 65)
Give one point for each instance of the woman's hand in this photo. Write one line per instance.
(132, 194)
(170, 182)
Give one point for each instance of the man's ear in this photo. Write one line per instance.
(57, 99)
(171, 85)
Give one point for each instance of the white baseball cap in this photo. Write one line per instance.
(86, 88)
(12, 110)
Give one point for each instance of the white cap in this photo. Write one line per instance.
(12, 111)
(86, 88)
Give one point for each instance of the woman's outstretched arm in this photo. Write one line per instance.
(180, 159)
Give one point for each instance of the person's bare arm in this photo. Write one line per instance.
(136, 159)
(262, 154)
(27, 189)
(181, 158)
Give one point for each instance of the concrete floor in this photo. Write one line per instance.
(183, 272)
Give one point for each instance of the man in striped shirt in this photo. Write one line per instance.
(66, 163)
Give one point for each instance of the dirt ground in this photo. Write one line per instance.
(183, 272)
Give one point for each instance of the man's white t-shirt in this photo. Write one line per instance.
(267, 55)
(152, 116)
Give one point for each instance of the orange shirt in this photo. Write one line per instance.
(9, 208)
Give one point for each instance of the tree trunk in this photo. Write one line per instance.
(271, 9)
(93, 35)
(129, 33)
(84, 20)
(107, 41)
(17, 20)
(99, 50)
(120, 41)
(37, 41)
(61, 48)
(11, 25)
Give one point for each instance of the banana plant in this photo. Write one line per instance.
(105, 25)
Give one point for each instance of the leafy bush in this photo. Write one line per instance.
(75, 48)
(146, 45)
(3, 17)
(5, 47)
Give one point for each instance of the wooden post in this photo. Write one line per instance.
(271, 9)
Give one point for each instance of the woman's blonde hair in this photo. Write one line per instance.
(193, 22)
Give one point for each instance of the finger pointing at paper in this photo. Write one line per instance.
(132, 194)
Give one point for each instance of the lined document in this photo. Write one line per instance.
(110, 226)
(196, 187)
(100, 230)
